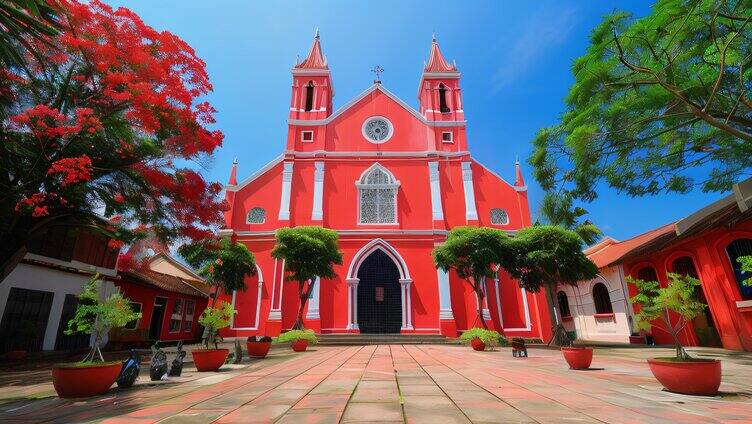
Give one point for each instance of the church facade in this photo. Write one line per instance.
(392, 181)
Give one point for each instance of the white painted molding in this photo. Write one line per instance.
(352, 303)
(467, 183)
(436, 207)
(284, 202)
(318, 192)
(407, 310)
(313, 302)
(445, 297)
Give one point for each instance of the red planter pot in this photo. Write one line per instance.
(477, 344)
(578, 358)
(76, 382)
(688, 377)
(299, 345)
(258, 349)
(209, 359)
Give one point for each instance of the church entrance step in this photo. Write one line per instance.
(370, 339)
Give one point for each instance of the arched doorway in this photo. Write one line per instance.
(379, 295)
(703, 324)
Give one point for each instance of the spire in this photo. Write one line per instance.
(436, 61)
(315, 58)
(233, 173)
(519, 182)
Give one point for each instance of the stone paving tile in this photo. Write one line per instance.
(372, 412)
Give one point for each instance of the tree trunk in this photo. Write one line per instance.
(479, 295)
(559, 335)
(303, 295)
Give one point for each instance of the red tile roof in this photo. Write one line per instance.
(168, 283)
(436, 61)
(610, 251)
(315, 59)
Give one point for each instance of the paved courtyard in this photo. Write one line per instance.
(412, 383)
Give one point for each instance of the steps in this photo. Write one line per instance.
(372, 339)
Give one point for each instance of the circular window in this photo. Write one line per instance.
(377, 129)
(499, 217)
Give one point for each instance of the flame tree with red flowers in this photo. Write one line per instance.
(98, 121)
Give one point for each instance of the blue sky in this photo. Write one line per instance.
(514, 57)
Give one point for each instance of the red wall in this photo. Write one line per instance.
(707, 250)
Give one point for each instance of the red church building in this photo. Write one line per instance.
(392, 181)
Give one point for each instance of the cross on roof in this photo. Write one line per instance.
(377, 70)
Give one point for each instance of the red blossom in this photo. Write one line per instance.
(72, 170)
(114, 244)
(118, 198)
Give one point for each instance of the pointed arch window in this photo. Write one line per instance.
(309, 96)
(735, 250)
(377, 196)
(442, 98)
(561, 297)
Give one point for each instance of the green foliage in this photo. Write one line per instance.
(97, 317)
(294, 335)
(489, 337)
(472, 252)
(656, 302)
(746, 263)
(20, 18)
(558, 209)
(659, 104)
(547, 255)
(214, 319)
(223, 264)
(309, 252)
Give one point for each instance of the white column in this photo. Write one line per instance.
(445, 297)
(318, 192)
(436, 209)
(284, 202)
(407, 310)
(486, 313)
(313, 301)
(275, 312)
(467, 183)
(498, 299)
(56, 312)
(352, 303)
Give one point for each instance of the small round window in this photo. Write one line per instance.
(256, 216)
(499, 217)
(377, 129)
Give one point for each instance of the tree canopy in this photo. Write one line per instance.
(20, 19)
(475, 253)
(103, 120)
(308, 252)
(659, 104)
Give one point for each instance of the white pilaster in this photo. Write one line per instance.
(56, 311)
(284, 202)
(436, 209)
(486, 313)
(407, 310)
(352, 303)
(467, 184)
(445, 298)
(318, 192)
(313, 301)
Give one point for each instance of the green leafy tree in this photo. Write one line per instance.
(548, 255)
(473, 253)
(746, 263)
(659, 104)
(20, 19)
(98, 317)
(656, 302)
(213, 319)
(558, 209)
(223, 263)
(308, 252)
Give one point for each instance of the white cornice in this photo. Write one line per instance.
(366, 232)
(311, 72)
(255, 175)
(377, 154)
(361, 96)
(491, 172)
(433, 75)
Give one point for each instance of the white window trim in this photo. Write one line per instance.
(247, 221)
(451, 137)
(373, 118)
(138, 321)
(302, 136)
(395, 185)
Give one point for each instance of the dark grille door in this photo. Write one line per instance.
(74, 341)
(25, 319)
(379, 299)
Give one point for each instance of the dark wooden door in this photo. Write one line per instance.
(157, 318)
(379, 298)
(25, 319)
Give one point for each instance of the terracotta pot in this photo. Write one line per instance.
(209, 359)
(578, 358)
(477, 344)
(258, 349)
(74, 382)
(694, 377)
(16, 355)
(299, 345)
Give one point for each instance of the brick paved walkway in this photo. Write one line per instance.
(432, 384)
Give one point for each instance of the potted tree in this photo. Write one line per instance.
(473, 252)
(680, 373)
(480, 338)
(547, 255)
(93, 375)
(298, 339)
(308, 252)
(258, 346)
(214, 318)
